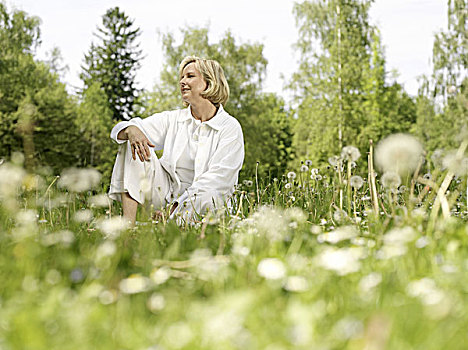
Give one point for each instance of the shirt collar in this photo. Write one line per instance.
(215, 123)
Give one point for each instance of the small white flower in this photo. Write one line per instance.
(350, 153)
(452, 90)
(340, 234)
(304, 168)
(333, 161)
(308, 162)
(296, 284)
(343, 261)
(399, 153)
(84, 215)
(271, 268)
(391, 180)
(113, 226)
(134, 284)
(356, 182)
(79, 180)
(291, 175)
(370, 281)
(288, 185)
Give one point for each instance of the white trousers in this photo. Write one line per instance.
(143, 181)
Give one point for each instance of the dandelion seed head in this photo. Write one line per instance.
(308, 162)
(339, 215)
(99, 201)
(399, 236)
(134, 284)
(107, 297)
(342, 261)
(452, 90)
(350, 153)
(398, 153)
(333, 161)
(271, 269)
(11, 178)
(426, 290)
(356, 182)
(456, 164)
(291, 175)
(156, 302)
(161, 275)
(390, 180)
(369, 282)
(84, 215)
(340, 234)
(113, 227)
(296, 284)
(79, 180)
(304, 168)
(348, 327)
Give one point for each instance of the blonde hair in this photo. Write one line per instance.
(217, 90)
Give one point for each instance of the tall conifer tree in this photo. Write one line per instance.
(113, 63)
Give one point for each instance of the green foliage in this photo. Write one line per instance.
(94, 121)
(287, 267)
(443, 97)
(113, 63)
(264, 119)
(36, 113)
(340, 88)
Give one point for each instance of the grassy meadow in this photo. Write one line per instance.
(321, 258)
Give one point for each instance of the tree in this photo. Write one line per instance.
(113, 63)
(264, 119)
(36, 113)
(94, 121)
(443, 97)
(340, 88)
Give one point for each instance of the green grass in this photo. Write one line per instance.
(286, 269)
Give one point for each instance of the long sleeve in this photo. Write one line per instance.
(154, 127)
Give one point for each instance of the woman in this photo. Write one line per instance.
(203, 149)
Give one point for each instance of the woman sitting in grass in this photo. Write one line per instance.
(203, 149)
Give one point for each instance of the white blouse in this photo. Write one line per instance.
(217, 147)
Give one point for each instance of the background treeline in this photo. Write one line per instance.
(342, 92)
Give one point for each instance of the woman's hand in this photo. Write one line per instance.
(139, 143)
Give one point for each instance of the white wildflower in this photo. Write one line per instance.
(113, 226)
(134, 284)
(456, 164)
(390, 180)
(304, 168)
(356, 182)
(370, 281)
(308, 162)
(84, 215)
(333, 161)
(160, 275)
(291, 175)
(398, 153)
(156, 302)
(343, 261)
(271, 268)
(399, 236)
(296, 284)
(350, 153)
(426, 290)
(79, 180)
(99, 201)
(340, 234)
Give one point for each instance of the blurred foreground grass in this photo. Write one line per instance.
(302, 262)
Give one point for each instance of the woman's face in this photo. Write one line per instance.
(192, 84)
